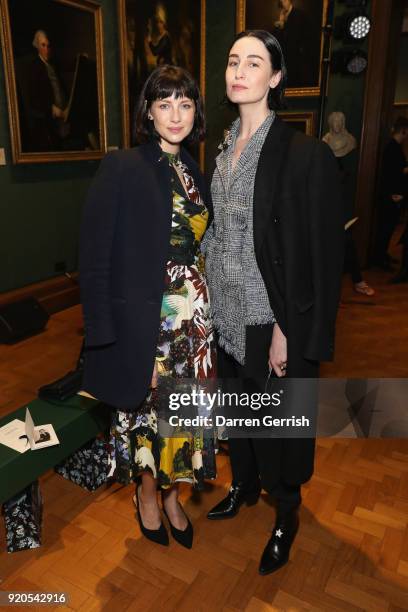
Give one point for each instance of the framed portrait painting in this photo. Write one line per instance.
(155, 32)
(297, 24)
(304, 122)
(53, 60)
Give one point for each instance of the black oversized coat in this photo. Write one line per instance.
(299, 247)
(124, 245)
(299, 241)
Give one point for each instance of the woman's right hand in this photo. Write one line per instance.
(153, 384)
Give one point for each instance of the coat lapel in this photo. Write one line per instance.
(222, 164)
(269, 169)
(161, 194)
(160, 167)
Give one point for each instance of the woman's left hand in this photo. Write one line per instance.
(278, 352)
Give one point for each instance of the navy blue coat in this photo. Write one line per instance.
(124, 243)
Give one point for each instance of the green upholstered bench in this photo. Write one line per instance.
(76, 421)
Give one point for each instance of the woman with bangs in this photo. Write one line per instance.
(145, 299)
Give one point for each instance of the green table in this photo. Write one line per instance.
(76, 421)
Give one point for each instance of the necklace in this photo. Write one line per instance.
(185, 177)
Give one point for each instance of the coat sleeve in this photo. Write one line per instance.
(327, 250)
(95, 252)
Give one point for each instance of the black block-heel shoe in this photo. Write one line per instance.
(237, 495)
(160, 535)
(185, 536)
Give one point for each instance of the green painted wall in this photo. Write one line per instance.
(40, 205)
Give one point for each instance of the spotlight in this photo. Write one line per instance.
(356, 62)
(349, 62)
(358, 26)
(352, 26)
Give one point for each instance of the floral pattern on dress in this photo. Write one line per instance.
(185, 349)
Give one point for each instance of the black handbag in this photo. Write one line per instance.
(68, 385)
(63, 388)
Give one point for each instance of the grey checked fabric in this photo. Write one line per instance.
(237, 291)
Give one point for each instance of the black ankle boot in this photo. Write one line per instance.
(237, 495)
(277, 550)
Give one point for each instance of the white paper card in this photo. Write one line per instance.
(41, 436)
(13, 435)
(22, 436)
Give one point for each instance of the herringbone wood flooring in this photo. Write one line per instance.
(351, 552)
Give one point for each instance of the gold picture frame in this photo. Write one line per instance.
(300, 90)
(36, 137)
(127, 45)
(304, 121)
(401, 106)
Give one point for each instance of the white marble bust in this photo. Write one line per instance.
(338, 138)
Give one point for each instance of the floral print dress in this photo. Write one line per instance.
(185, 349)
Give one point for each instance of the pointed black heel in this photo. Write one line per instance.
(183, 537)
(160, 535)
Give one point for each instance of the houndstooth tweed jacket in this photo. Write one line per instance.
(238, 294)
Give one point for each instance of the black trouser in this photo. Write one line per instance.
(351, 263)
(388, 217)
(265, 459)
(404, 259)
(250, 461)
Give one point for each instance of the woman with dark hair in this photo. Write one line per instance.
(145, 299)
(274, 259)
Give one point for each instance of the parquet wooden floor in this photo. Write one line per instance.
(351, 552)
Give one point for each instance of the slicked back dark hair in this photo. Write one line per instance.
(163, 83)
(276, 95)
